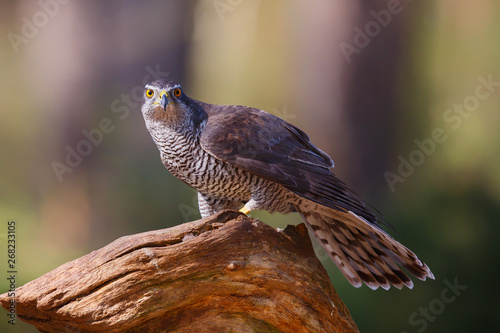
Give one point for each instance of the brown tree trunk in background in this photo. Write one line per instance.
(349, 103)
(227, 272)
(372, 86)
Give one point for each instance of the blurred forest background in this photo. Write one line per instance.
(365, 85)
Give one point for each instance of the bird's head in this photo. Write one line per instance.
(166, 104)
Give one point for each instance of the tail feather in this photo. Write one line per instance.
(336, 254)
(358, 259)
(363, 252)
(376, 266)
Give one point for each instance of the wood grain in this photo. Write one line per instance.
(225, 273)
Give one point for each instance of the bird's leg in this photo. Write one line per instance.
(245, 210)
(249, 206)
(209, 205)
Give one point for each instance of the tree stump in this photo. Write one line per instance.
(224, 273)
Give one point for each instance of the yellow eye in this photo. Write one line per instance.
(177, 92)
(149, 93)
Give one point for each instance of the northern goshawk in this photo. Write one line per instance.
(238, 156)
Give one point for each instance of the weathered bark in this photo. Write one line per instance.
(225, 273)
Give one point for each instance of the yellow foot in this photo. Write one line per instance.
(245, 210)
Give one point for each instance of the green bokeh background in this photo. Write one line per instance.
(91, 57)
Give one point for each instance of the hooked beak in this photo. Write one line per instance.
(164, 100)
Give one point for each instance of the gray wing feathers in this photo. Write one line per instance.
(274, 149)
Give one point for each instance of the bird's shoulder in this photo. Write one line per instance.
(242, 132)
(225, 119)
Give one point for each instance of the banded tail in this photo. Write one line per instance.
(363, 252)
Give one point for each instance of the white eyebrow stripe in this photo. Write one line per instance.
(148, 86)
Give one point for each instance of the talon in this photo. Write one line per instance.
(245, 210)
